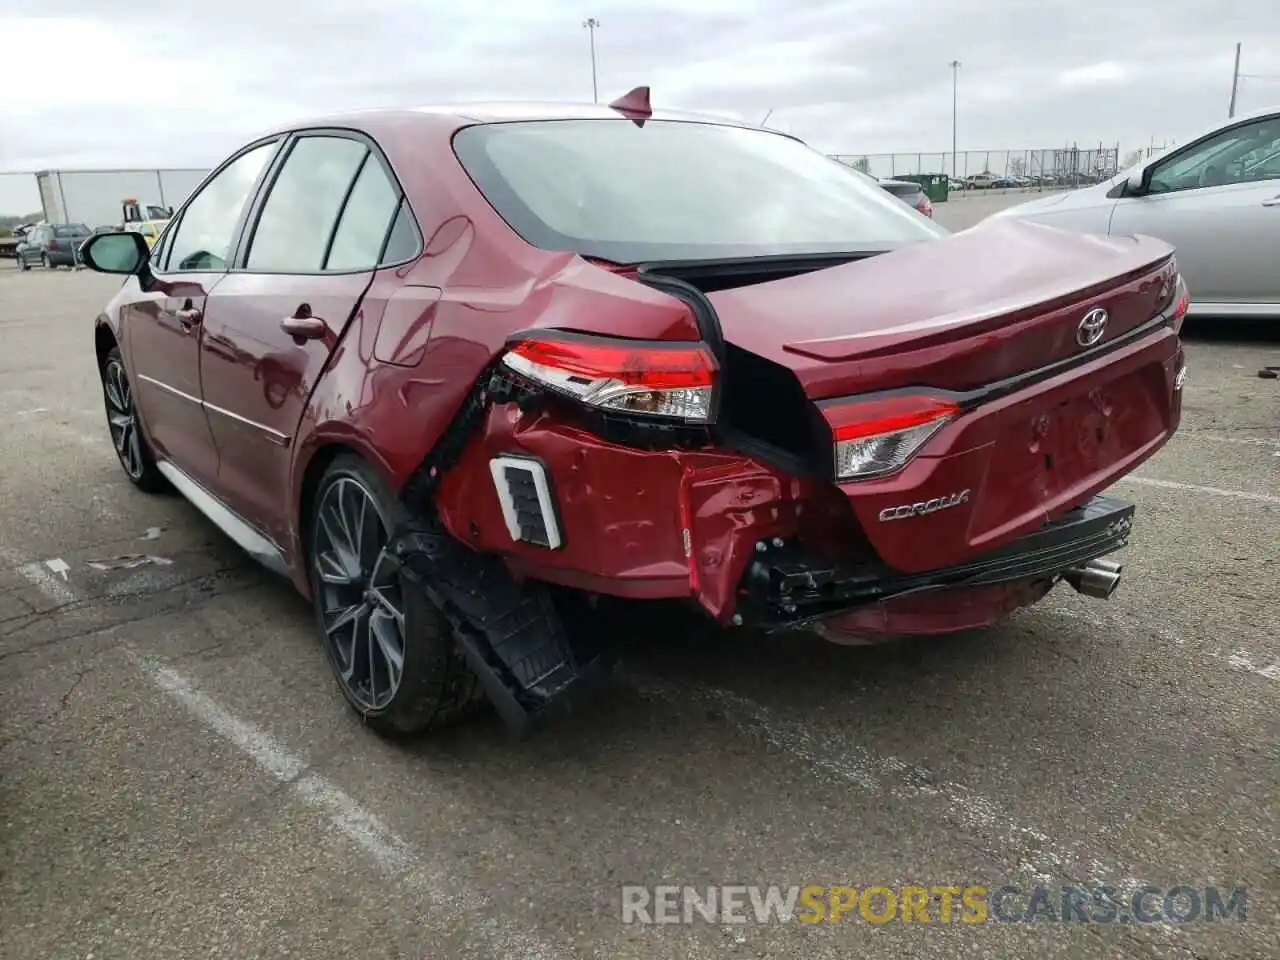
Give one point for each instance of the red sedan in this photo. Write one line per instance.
(449, 369)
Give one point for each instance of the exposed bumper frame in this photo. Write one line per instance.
(788, 587)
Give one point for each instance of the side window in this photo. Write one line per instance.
(206, 233)
(403, 242)
(1236, 155)
(365, 220)
(302, 208)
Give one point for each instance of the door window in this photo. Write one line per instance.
(402, 244)
(1241, 154)
(302, 209)
(206, 233)
(357, 245)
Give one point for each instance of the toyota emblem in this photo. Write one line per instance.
(1091, 327)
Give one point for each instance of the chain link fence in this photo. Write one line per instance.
(1051, 168)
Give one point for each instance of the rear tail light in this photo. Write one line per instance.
(1182, 302)
(878, 436)
(925, 205)
(672, 381)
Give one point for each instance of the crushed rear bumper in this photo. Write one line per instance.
(789, 587)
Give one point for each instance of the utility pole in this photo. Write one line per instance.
(955, 83)
(1235, 85)
(591, 23)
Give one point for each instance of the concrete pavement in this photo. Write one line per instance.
(179, 776)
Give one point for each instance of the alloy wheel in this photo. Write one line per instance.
(121, 420)
(359, 590)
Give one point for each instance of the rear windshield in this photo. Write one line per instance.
(904, 190)
(676, 190)
(75, 230)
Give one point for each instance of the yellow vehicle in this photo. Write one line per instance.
(150, 230)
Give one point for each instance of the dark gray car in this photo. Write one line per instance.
(52, 245)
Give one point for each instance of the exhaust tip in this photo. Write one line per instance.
(1098, 579)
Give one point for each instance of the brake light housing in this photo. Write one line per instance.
(665, 381)
(878, 436)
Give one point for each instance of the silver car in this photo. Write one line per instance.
(1216, 199)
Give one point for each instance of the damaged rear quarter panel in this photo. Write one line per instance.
(624, 512)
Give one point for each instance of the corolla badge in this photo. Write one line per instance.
(924, 507)
(1091, 327)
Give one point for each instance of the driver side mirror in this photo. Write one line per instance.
(1136, 185)
(117, 252)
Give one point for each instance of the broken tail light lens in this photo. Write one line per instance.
(674, 381)
(879, 435)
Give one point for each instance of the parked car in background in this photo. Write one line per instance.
(912, 194)
(980, 181)
(1216, 199)
(457, 371)
(52, 245)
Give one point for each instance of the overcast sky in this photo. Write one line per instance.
(170, 83)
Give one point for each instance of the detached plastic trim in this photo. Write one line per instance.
(498, 468)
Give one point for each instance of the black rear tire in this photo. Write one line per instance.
(132, 449)
(358, 590)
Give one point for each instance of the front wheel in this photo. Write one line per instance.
(392, 652)
(122, 420)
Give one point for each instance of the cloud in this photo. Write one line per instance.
(153, 83)
(1095, 74)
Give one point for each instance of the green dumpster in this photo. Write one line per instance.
(934, 184)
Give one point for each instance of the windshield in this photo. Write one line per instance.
(75, 230)
(675, 190)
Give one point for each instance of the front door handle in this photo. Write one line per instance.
(303, 329)
(1273, 202)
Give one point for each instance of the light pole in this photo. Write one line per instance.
(591, 23)
(955, 83)
(1235, 85)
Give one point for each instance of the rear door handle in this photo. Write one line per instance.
(1273, 202)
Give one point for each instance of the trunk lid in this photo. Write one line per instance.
(974, 310)
(956, 313)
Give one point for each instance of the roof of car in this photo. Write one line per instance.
(465, 114)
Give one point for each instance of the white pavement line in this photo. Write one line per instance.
(44, 579)
(32, 412)
(1196, 488)
(1220, 438)
(391, 853)
(836, 760)
(1237, 657)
